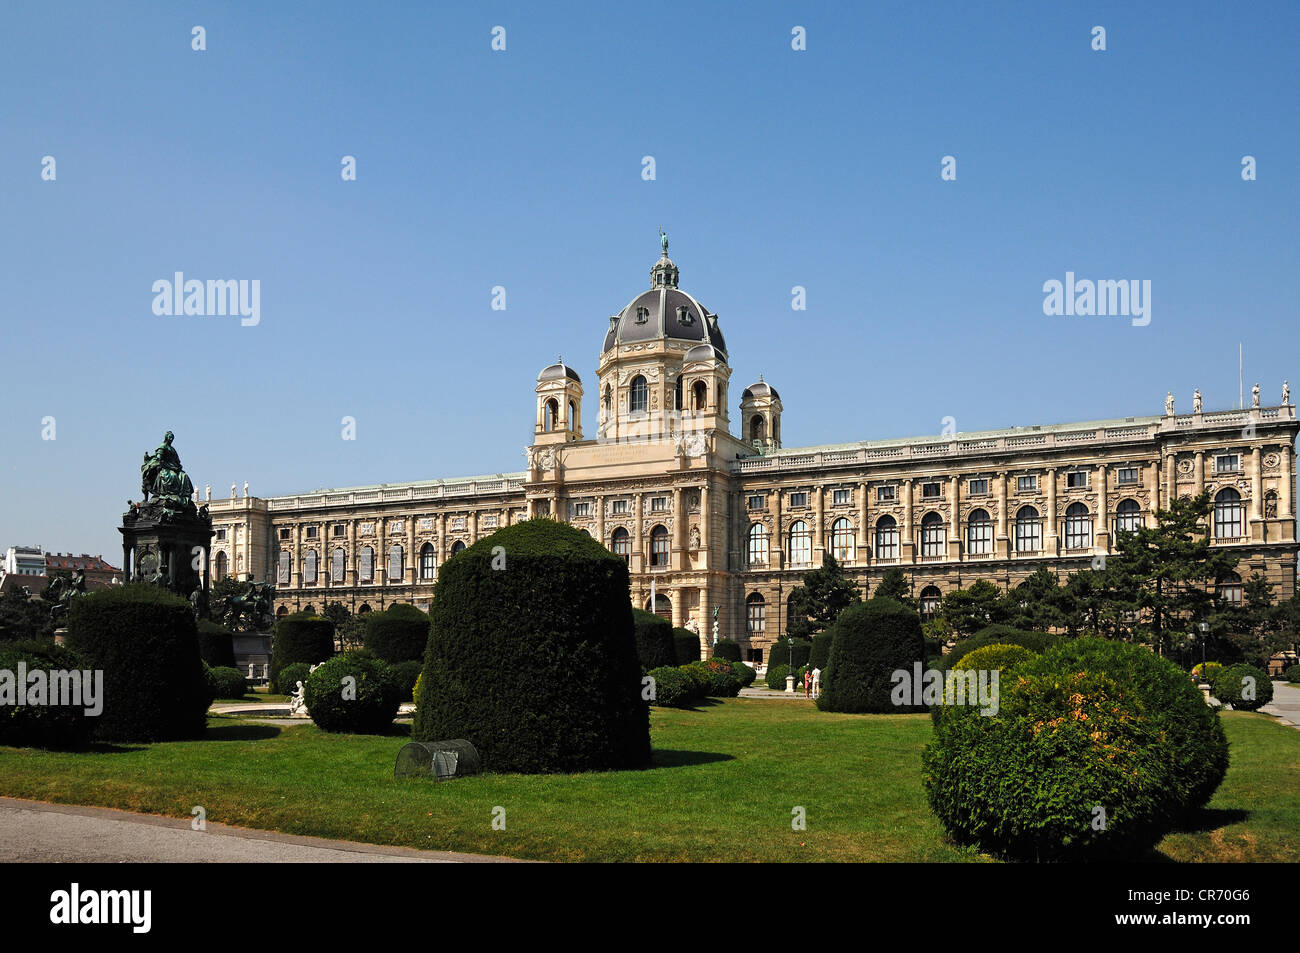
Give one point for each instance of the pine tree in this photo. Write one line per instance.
(969, 610)
(894, 585)
(825, 593)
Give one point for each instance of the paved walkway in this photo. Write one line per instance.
(1285, 704)
(36, 832)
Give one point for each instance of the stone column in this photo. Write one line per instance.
(295, 577)
(1256, 495)
(442, 539)
(412, 558)
(1003, 542)
(678, 596)
(864, 529)
(350, 558)
(638, 553)
(1050, 543)
(1198, 473)
(1153, 482)
(600, 520)
(776, 547)
(1286, 498)
(1171, 480)
(907, 545)
(954, 527)
(1102, 537)
(678, 559)
(705, 535)
(819, 538)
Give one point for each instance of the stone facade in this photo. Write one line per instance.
(710, 520)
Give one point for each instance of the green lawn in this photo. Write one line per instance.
(723, 786)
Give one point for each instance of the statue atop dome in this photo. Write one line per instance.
(663, 241)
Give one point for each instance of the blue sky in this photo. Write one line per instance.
(522, 168)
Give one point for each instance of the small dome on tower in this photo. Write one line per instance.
(761, 389)
(557, 371)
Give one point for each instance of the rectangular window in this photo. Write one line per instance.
(1126, 476)
(619, 506)
(756, 502)
(658, 504)
(311, 532)
(798, 499)
(931, 491)
(339, 530)
(221, 534)
(1227, 463)
(979, 487)
(1076, 480)
(884, 494)
(841, 497)
(1026, 484)
(284, 532)
(581, 509)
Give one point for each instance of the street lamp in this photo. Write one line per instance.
(789, 675)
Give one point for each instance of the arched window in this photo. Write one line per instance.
(337, 560)
(701, 395)
(979, 533)
(677, 395)
(886, 538)
(663, 607)
(659, 546)
(1229, 589)
(1078, 527)
(427, 561)
(309, 609)
(573, 415)
(800, 544)
(281, 612)
(551, 416)
(366, 564)
(842, 547)
(639, 397)
(309, 567)
(930, 598)
(365, 607)
(932, 535)
(457, 546)
(608, 399)
(1128, 516)
(757, 544)
(757, 429)
(755, 615)
(621, 544)
(1029, 530)
(396, 564)
(1228, 516)
(223, 567)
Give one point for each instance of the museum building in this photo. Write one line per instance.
(707, 519)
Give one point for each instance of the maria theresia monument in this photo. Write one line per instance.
(165, 536)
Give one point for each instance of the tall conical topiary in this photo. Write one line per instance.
(532, 657)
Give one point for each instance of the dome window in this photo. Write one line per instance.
(684, 317)
(642, 315)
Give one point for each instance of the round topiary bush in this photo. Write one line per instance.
(724, 680)
(746, 673)
(216, 644)
(38, 723)
(1066, 748)
(673, 687)
(404, 676)
(780, 653)
(654, 640)
(352, 694)
(1291, 674)
(143, 638)
(1000, 635)
(727, 649)
(873, 639)
(700, 678)
(1206, 671)
(300, 637)
(286, 682)
(226, 682)
(776, 677)
(1244, 687)
(532, 655)
(686, 646)
(398, 634)
(999, 657)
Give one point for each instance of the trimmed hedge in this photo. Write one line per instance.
(145, 641)
(723, 680)
(673, 687)
(780, 654)
(404, 676)
(398, 634)
(300, 638)
(225, 681)
(536, 663)
(351, 694)
(1230, 687)
(686, 646)
(286, 682)
(872, 640)
(997, 634)
(727, 649)
(1000, 657)
(1291, 673)
(775, 677)
(746, 673)
(820, 653)
(700, 678)
(216, 644)
(44, 725)
(654, 640)
(1090, 723)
